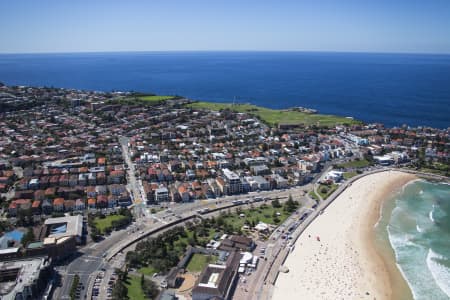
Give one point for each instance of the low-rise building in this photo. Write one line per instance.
(218, 281)
(59, 228)
(162, 195)
(24, 278)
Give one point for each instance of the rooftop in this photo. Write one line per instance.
(17, 274)
(65, 226)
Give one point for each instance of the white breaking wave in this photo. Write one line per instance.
(419, 229)
(430, 215)
(441, 273)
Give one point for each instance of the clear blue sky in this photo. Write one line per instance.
(286, 25)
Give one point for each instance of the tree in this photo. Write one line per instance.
(119, 291)
(28, 237)
(149, 288)
(194, 236)
(290, 204)
(276, 203)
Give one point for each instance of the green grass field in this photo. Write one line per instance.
(134, 287)
(313, 195)
(102, 224)
(156, 98)
(142, 100)
(329, 190)
(198, 262)
(273, 117)
(348, 175)
(147, 270)
(257, 214)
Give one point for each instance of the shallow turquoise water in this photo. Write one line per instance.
(418, 229)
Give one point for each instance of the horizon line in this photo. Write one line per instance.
(260, 51)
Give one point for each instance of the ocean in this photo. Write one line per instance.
(416, 224)
(394, 89)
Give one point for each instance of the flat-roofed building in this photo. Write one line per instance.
(162, 195)
(70, 226)
(218, 281)
(24, 278)
(233, 181)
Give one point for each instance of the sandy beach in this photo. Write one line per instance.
(344, 263)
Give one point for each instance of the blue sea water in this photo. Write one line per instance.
(394, 89)
(419, 232)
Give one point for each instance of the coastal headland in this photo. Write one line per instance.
(292, 117)
(276, 117)
(336, 257)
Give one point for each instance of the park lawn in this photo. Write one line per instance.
(314, 195)
(257, 214)
(142, 100)
(330, 190)
(103, 224)
(155, 98)
(362, 163)
(134, 288)
(348, 175)
(198, 262)
(273, 116)
(149, 270)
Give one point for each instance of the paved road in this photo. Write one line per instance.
(85, 262)
(134, 185)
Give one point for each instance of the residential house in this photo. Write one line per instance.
(102, 201)
(124, 199)
(58, 204)
(184, 193)
(69, 205)
(47, 207)
(112, 201)
(91, 191)
(19, 204)
(91, 203)
(79, 205)
(36, 207)
(73, 180)
(101, 190)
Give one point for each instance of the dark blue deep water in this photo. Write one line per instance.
(394, 89)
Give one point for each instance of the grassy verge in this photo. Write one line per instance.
(103, 224)
(313, 195)
(326, 190)
(134, 288)
(198, 262)
(348, 175)
(273, 117)
(73, 288)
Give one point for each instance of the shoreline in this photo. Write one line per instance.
(337, 256)
(381, 249)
